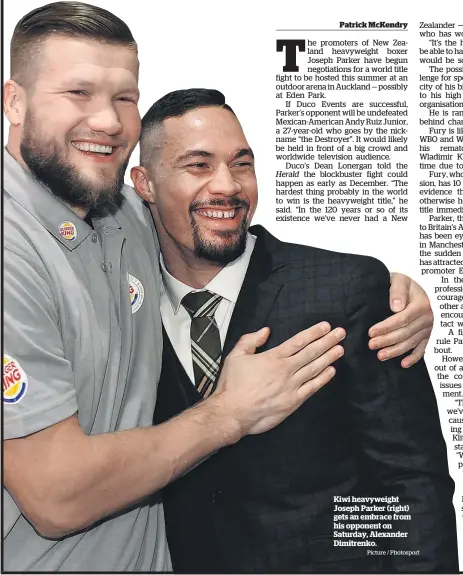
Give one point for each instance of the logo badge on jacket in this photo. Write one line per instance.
(136, 292)
(68, 231)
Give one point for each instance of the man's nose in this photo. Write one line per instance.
(223, 182)
(105, 119)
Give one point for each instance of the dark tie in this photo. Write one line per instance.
(206, 349)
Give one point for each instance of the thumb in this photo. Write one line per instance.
(398, 292)
(248, 343)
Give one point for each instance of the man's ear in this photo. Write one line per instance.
(14, 102)
(142, 184)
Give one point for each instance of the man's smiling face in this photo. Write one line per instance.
(205, 185)
(82, 120)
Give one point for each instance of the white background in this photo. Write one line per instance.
(230, 46)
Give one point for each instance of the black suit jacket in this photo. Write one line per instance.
(267, 503)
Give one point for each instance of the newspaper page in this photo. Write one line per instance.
(354, 112)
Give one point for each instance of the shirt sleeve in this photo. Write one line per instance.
(38, 382)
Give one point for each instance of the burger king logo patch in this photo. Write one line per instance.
(67, 230)
(14, 380)
(136, 292)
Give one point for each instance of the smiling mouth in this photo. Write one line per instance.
(217, 214)
(90, 147)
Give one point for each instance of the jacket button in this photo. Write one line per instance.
(217, 496)
(94, 237)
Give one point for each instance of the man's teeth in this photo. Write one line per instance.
(218, 214)
(89, 147)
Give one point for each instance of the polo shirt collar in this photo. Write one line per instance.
(66, 226)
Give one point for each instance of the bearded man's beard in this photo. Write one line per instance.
(229, 245)
(49, 166)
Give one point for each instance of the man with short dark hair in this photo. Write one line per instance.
(268, 504)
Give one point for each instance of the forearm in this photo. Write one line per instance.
(70, 480)
(85, 478)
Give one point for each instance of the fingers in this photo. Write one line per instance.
(392, 323)
(404, 346)
(403, 319)
(312, 386)
(317, 348)
(416, 301)
(417, 354)
(320, 364)
(248, 343)
(398, 292)
(299, 341)
(401, 334)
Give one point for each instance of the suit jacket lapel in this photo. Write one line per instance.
(259, 291)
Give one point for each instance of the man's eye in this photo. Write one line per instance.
(244, 164)
(77, 92)
(127, 99)
(198, 165)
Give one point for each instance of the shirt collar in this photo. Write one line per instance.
(227, 283)
(66, 226)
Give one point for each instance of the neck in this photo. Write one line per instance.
(14, 150)
(81, 212)
(188, 269)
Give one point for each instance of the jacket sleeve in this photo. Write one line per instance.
(394, 417)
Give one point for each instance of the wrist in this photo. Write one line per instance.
(224, 419)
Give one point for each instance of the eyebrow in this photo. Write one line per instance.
(88, 84)
(243, 152)
(205, 154)
(78, 82)
(195, 154)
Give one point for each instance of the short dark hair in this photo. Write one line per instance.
(74, 19)
(175, 104)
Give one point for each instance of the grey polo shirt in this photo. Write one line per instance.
(82, 334)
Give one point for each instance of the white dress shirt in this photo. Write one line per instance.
(177, 321)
